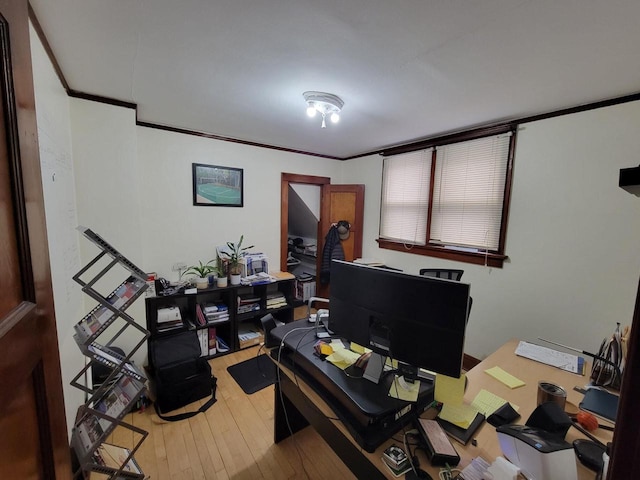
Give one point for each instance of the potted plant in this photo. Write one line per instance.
(234, 254)
(202, 271)
(221, 272)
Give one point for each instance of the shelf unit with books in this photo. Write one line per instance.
(227, 312)
(107, 404)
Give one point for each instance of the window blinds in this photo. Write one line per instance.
(405, 197)
(469, 191)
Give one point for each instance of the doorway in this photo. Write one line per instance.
(337, 202)
(300, 220)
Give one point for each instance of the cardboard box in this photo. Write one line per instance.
(248, 338)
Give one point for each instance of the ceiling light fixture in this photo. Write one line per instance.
(325, 103)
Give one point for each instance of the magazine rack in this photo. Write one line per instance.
(107, 404)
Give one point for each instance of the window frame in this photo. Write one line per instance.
(492, 258)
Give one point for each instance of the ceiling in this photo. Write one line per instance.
(405, 69)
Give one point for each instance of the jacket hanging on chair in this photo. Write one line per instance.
(332, 251)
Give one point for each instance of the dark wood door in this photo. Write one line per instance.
(33, 442)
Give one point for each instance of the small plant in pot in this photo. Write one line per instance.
(236, 251)
(202, 272)
(221, 272)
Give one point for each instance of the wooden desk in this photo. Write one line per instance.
(304, 406)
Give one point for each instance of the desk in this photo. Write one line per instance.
(303, 406)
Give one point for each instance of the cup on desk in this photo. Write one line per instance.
(550, 392)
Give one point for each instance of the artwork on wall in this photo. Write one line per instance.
(216, 186)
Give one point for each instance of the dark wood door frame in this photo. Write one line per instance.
(32, 416)
(286, 180)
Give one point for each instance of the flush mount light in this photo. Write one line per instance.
(325, 104)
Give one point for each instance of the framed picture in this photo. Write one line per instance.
(216, 186)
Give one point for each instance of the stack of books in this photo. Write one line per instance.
(276, 300)
(215, 312)
(169, 318)
(396, 460)
(248, 303)
(258, 279)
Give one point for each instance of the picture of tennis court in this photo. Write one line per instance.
(217, 185)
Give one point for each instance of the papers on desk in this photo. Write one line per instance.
(565, 361)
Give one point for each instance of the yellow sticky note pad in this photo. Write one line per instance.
(506, 378)
(449, 390)
(487, 402)
(343, 358)
(461, 415)
(404, 390)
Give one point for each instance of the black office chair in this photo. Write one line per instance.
(450, 274)
(268, 324)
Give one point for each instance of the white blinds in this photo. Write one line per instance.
(405, 197)
(469, 191)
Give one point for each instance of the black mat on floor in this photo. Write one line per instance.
(254, 374)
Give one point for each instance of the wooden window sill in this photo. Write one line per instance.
(488, 259)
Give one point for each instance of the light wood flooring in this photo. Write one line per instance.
(232, 440)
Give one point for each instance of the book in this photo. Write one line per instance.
(212, 340)
(462, 435)
(601, 403)
(203, 339)
(202, 321)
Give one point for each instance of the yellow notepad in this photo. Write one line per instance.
(449, 390)
(506, 378)
(487, 402)
(461, 415)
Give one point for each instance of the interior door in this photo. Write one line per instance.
(33, 441)
(341, 202)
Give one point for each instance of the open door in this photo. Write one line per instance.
(33, 441)
(338, 202)
(341, 202)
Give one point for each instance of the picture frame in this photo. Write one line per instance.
(217, 186)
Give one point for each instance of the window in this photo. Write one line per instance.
(449, 200)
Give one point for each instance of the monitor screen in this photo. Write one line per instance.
(414, 319)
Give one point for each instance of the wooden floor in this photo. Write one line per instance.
(232, 440)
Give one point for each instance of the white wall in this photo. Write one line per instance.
(174, 230)
(58, 182)
(572, 240)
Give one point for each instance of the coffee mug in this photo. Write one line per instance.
(550, 392)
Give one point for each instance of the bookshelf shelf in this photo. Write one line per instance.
(276, 298)
(107, 405)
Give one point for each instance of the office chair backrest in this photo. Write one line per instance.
(450, 274)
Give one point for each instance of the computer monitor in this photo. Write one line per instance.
(417, 320)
